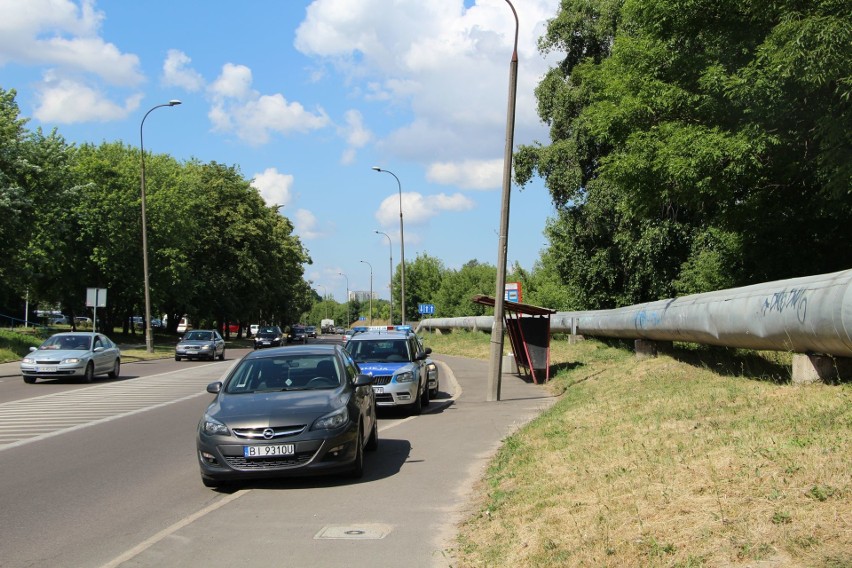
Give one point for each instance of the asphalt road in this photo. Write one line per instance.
(105, 475)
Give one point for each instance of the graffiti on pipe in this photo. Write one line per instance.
(785, 300)
(645, 319)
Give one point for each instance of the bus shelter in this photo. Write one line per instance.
(528, 328)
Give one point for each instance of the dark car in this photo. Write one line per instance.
(200, 344)
(268, 336)
(299, 410)
(311, 331)
(298, 334)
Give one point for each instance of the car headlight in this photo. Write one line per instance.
(29, 360)
(72, 360)
(405, 377)
(206, 347)
(332, 420)
(213, 427)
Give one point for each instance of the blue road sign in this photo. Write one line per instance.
(427, 309)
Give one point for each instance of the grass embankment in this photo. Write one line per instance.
(702, 458)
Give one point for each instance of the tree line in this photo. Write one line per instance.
(71, 221)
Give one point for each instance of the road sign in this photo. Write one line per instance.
(426, 309)
(513, 292)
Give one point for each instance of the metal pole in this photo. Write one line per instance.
(496, 361)
(390, 282)
(149, 335)
(401, 245)
(371, 290)
(348, 314)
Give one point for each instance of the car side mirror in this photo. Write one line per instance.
(214, 388)
(428, 350)
(362, 380)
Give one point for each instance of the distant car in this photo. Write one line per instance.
(200, 344)
(184, 325)
(83, 321)
(297, 410)
(298, 334)
(157, 323)
(311, 331)
(253, 329)
(80, 355)
(268, 336)
(347, 335)
(233, 327)
(339, 330)
(397, 362)
(59, 320)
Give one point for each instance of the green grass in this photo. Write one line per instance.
(699, 458)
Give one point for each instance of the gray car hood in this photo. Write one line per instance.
(262, 409)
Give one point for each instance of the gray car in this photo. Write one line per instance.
(200, 344)
(78, 355)
(287, 411)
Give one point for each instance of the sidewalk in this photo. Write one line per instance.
(12, 369)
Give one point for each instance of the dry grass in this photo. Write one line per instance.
(669, 462)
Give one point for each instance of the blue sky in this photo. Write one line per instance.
(305, 97)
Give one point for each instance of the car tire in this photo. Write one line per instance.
(116, 369)
(416, 407)
(425, 396)
(177, 358)
(222, 356)
(357, 471)
(373, 440)
(89, 374)
(433, 393)
(29, 380)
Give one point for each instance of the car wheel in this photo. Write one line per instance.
(29, 380)
(425, 395)
(222, 356)
(357, 471)
(89, 374)
(433, 393)
(416, 406)
(373, 440)
(116, 369)
(177, 358)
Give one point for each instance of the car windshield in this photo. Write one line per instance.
(378, 350)
(68, 343)
(199, 336)
(286, 373)
(268, 330)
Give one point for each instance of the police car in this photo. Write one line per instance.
(396, 360)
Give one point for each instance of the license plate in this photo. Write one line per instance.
(379, 390)
(265, 342)
(46, 369)
(269, 451)
(191, 352)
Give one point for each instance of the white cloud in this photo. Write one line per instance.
(355, 134)
(468, 174)
(274, 187)
(306, 225)
(177, 73)
(254, 117)
(418, 209)
(58, 33)
(445, 62)
(65, 101)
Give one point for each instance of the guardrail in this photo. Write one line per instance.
(806, 315)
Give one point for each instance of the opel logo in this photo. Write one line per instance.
(268, 433)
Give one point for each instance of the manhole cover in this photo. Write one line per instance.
(365, 531)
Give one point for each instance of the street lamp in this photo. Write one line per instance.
(348, 314)
(325, 298)
(401, 245)
(496, 362)
(371, 290)
(149, 335)
(390, 282)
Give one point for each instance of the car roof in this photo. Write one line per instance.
(312, 349)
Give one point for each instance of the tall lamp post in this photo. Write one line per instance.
(496, 361)
(324, 298)
(390, 282)
(149, 334)
(348, 314)
(401, 246)
(371, 290)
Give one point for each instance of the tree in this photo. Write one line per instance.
(422, 282)
(678, 129)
